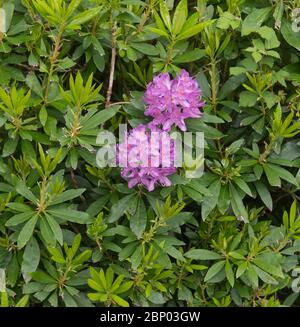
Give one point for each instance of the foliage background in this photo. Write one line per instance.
(72, 234)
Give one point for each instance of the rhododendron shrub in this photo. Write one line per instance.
(149, 230)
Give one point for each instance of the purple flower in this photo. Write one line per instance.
(170, 102)
(149, 155)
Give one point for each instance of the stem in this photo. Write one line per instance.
(112, 64)
(73, 179)
(118, 103)
(158, 222)
(142, 23)
(95, 25)
(42, 204)
(107, 183)
(214, 95)
(99, 244)
(64, 277)
(202, 294)
(268, 150)
(213, 86)
(53, 60)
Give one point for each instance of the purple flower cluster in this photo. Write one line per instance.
(148, 154)
(170, 102)
(149, 157)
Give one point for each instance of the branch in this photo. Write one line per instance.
(53, 60)
(112, 64)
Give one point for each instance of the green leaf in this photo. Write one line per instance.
(136, 257)
(66, 196)
(21, 207)
(127, 251)
(291, 37)
(27, 232)
(278, 13)
(192, 193)
(293, 211)
(208, 118)
(189, 56)
(56, 255)
(145, 48)
(174, 253)
(43, 278)
(133, 2)
(74, 216)
(8, 8)
(10, 147)
(228, 20)
(230, 85)
(229, 273)
(179, 17)
(31, 257)
(118, 209)
(269, 34)
(197, 186)
(253, 21)
(57, 232)
(109, 276)
(237, 204)
(98, 47)
(252, 275)
(66, 63)
(131, 54)
(224, 199)
(214, 270)
(269, 268)
(13, 270)
(200, 254)
(22, 189)
(102, 279)
(121, 302)
(43, 115)
(264, 194)
(138, 220)
(264, 276)
(248, 99)
(210, 202)
(235, 146)
(95, 286)
(158, 31)
(164, 11)
(82, 18)
(23, 301)
(203, 83)
(20, 218)
(101, 117)
(191, 31)
(242, 185)
(34, 84)
(283, 173)
(156, 298)
(258, 171)
(97, 206)
(123, 288)
(272, 175)
(242, 267)
(46, 232)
